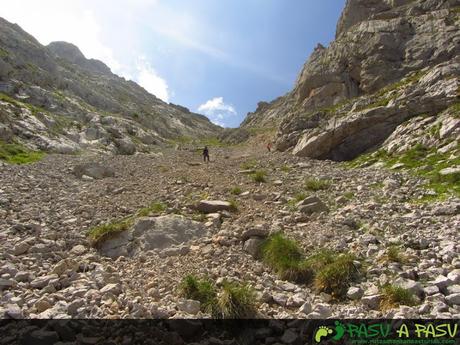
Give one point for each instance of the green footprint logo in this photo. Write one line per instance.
(322, 331)
(339, 330)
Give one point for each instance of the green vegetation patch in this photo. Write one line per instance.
(233, 300)
(455, 109)
(33, 109)
(18, 154)
(153, 208)
(101, 232)
(330, 272)
(314, 184)
(259, 176)
(423, 162)
(3, 53)
(393, 254)
(335, 277)
(236, 190)
(286, 259)
(197, 289)
(250, 164)
(394, 296)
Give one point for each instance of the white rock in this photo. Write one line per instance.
(306, 308)
(354, 293)
(189, 306)
(43, 281)
(454, 276)
(324, 310)
(114, 289)
(21, 248)
(372, 301)
(453, 299)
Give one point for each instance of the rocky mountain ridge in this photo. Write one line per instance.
(391, 61)
(54, 99)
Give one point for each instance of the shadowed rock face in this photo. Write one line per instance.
(381, 50)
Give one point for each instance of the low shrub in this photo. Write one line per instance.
(234, 301)
(394, 296)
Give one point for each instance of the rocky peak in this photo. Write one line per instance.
(72, 54)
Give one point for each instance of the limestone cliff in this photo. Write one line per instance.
(391, 61)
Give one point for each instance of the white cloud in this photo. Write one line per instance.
(217, 110)
(216, 104)
(149, 79)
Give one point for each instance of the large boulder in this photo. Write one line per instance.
(94, 170)
(125, 146)
(150, 233)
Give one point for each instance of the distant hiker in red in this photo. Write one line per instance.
(206, 154)
(269, 147)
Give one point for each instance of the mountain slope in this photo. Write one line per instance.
(391, 61)
(54, 99)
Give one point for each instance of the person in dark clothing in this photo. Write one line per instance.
(269, 147)
(206, 154)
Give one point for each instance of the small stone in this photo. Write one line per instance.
(21, 248)
(14, 311)
(431, 290)
(41, 282)
(355, 293)
(64, 266)
(112, 288)
(324, 310)
(280, 299)
(252, 246)
(212, 206)
(453, 299)
(42, 304)
(442, 282)
(6, 284)
(189, 306)
(306, 308)
(79, 249)
(454, 276)
(372, 301)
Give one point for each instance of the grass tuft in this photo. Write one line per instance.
(394, 296)
(236, 191)
(335, 277)
(285, 257)
(259, 176)
(153, 208)
(316, 184)
(234, 301)
(197, 289)
(101, 232)
(393, 254)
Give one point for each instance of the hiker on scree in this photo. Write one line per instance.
(206, 154)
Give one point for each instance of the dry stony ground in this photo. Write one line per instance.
(45, 212)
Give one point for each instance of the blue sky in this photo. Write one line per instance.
(216, 57)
